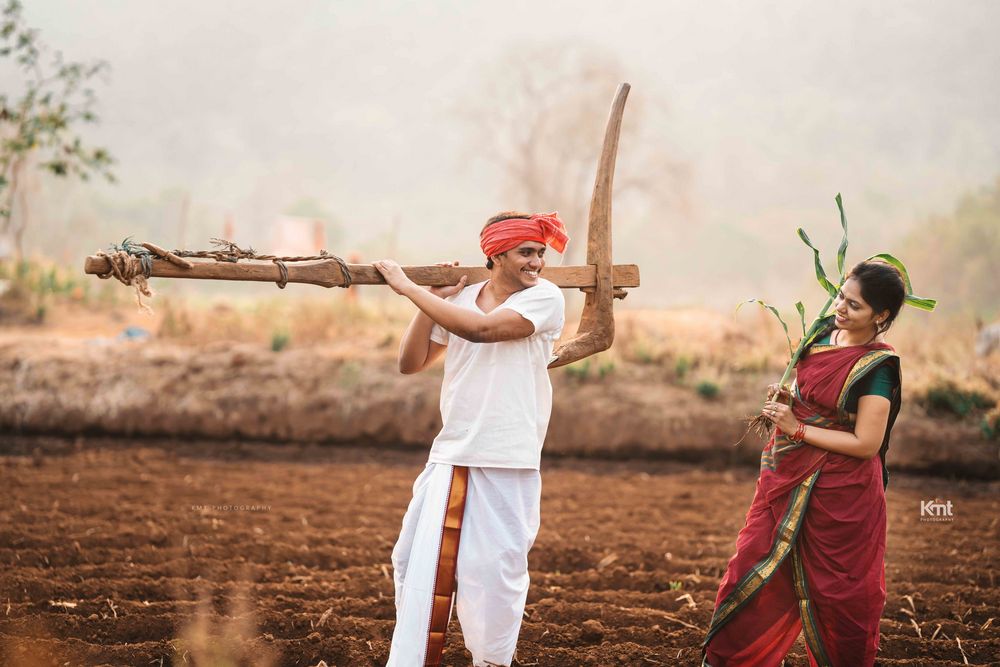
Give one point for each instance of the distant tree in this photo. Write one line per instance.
(539, 114)
(38, 125)
(957, 257)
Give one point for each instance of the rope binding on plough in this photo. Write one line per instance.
(131, 263)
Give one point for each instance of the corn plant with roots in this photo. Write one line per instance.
(760, 423)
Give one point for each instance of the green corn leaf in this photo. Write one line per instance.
(889, 259)
(820, 273)
(776, 314)
(911, 299)
(842, 250)
(921, 303)
(802, 316)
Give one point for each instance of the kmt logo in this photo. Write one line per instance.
(935, 510)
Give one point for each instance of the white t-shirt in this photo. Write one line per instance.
(496, 398)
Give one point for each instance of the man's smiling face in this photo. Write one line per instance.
(523, 264)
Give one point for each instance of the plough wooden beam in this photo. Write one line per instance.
(599, 278)
(327, 273)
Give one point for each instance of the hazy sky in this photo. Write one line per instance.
(773, 107)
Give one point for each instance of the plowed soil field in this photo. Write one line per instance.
(170, 553)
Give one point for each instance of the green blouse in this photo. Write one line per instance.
(882, 381)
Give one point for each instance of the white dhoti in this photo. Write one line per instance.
(497, 528)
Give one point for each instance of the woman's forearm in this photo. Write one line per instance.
(840, 442)
(864, 442)
(869, 431)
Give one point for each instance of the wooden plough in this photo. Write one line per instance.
(599, 278)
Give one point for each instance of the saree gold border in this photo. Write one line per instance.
(819, 349)
(809, 628)
(762, 572)
(444, 578)
(866, 363)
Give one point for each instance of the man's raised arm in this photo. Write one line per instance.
(416, 349)
(499, 325)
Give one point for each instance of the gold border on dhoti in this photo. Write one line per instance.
(444, 578)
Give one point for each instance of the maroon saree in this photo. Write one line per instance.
(810, 557)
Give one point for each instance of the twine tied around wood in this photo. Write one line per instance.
(131, 266)
(132, 263)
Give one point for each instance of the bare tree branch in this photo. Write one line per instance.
(540, 116)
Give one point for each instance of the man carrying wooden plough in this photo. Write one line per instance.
(475, 508)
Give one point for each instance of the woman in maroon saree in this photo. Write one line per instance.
(811, 555)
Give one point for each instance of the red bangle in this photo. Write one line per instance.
(800, 433)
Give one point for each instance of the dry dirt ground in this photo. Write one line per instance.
(107, 546)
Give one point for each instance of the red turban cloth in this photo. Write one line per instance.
(544, 228)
